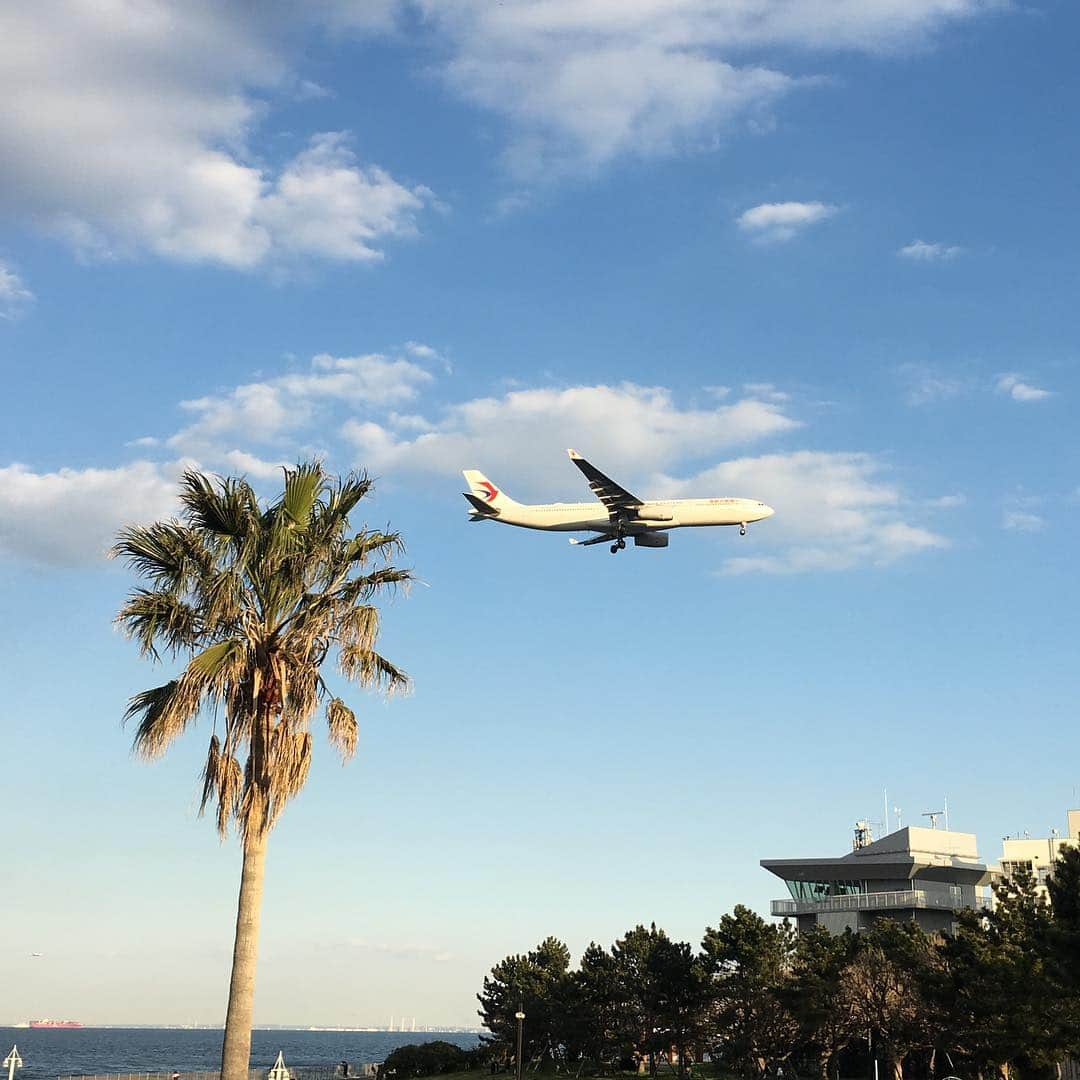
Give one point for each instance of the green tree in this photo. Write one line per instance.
(749, 960)
(1020, 928)
(885, 987)
(815, 995)
(426, 1059)
(639, 991)
(683, 993)
(599, 1026)
(1064, 939)
(974, 995)
(255, 599)
(538, 982)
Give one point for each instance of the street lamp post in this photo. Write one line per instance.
(519, 1016)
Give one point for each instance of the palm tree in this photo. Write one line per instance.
(255, 598)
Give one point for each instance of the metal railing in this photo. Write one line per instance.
(874, 901)
(296, 1072)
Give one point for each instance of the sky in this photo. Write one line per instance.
(817, 254)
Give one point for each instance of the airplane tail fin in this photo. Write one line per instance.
(485, 499)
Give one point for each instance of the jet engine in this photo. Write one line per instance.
(656, 539)
(652, 515)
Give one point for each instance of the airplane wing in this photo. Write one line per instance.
(617, 499)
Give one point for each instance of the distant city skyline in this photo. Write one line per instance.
(825, 259)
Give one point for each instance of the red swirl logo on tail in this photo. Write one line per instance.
(489, 490)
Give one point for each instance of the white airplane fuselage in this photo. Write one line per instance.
(615, 514)
(654, 515)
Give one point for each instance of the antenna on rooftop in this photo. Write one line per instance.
(864, 836)
(933, 815)
(946, 805)
(898, 814)
(885, 800)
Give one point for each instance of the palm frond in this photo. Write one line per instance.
(359, 626)
(164, 552)
(153, 617)
(369, 669)
(162, 714)
(214, 660)
(342, 727)
(384, 545)
(348, 492)
(227, 509)
(303, 486)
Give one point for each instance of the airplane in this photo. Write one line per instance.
(617, 516)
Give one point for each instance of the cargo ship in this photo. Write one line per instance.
(55, 1024)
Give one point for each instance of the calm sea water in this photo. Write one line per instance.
(87, 1051)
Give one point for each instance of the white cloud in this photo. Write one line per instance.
(1014, 386)
(924, 251)
(406, 950)
(324, 204)
(71, 516)
(522, 435)
(833, 511)
(263, 412)
(777, 222)
(126, 131)
(15, 297)
(583, 82)
(766, 391)
(946, 502)
(927, 386)
(239, 461)
(1023, 521)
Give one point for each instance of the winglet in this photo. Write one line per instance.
(574, 455)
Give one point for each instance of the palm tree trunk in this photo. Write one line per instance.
(236, 1049)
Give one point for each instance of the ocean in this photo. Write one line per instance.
(89, 1051)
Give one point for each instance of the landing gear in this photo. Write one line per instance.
(614, 549)
(742, 529)
(618, 546)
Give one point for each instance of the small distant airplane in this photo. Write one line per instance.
(618, 515)
(36, 954)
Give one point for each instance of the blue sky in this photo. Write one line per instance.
(821, 255)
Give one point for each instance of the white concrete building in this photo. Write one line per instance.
(1039, 854)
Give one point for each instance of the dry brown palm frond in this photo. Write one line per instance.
(229, 793)
(359, 626)
(369, 669)
(342, 728)
(211, 774)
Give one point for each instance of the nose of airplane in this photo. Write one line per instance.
(767, 511)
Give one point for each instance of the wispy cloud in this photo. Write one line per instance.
(778, 222)
(925, 385)
(404, 950)
(946, 502)
(1023, 521)
(1015, 387)
(263, 412)
(925, 251)
(15, 297)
